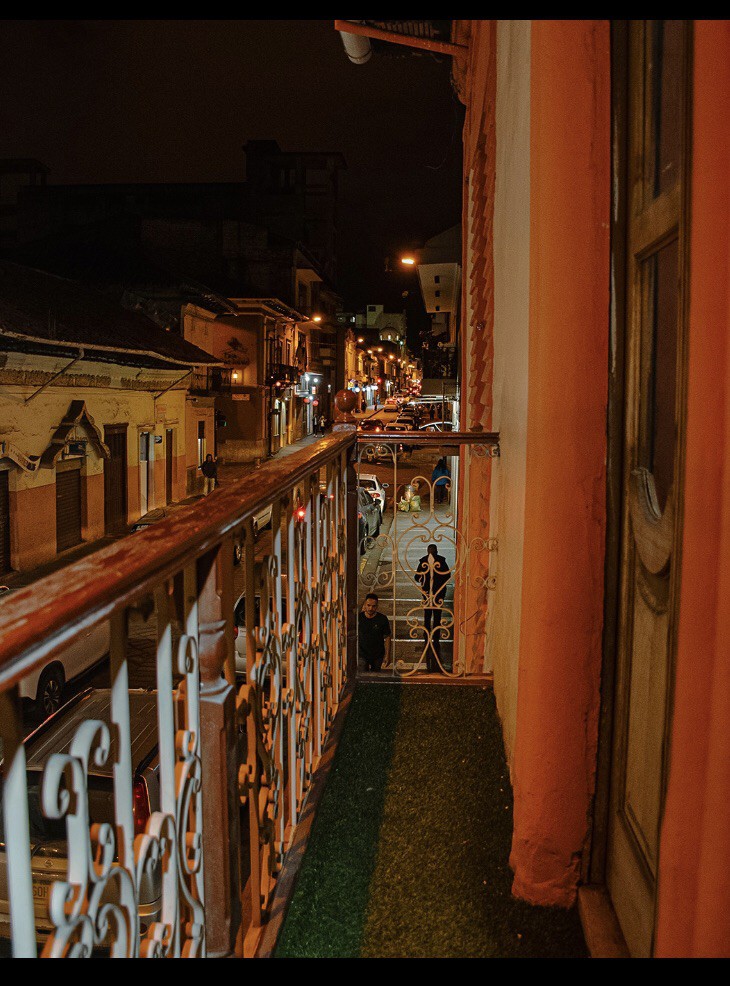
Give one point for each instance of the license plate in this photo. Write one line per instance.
(41, 891)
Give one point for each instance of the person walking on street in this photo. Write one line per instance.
(322, 423)
(433, 575)
(209, 470)
(373, 635)
(441, 481)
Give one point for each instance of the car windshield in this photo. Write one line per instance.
(368, 484)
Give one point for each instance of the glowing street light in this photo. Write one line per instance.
(317, 318)
(408, 261)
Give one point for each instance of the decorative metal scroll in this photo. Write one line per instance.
(112, 871)
(417, 589)
(295, 666)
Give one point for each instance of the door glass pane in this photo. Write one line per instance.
(666, 40)
(661, 275)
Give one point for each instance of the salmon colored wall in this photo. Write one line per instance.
(694, 858)
(562, 592)
(133, 504)
(92, 506)
(159, 471)
(33, 526)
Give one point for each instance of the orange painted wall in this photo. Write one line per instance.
(33, 526)
(694, 859)
(562, 592)
(92, 506)
(132, 492)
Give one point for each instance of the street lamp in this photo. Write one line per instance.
(317, 318)
(408, 261)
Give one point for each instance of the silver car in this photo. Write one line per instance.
(49, 849)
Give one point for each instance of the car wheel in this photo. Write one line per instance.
(50, 691)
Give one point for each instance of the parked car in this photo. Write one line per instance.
(44, 686)
(369, 512)
(49, 849)
(437, 426)
(376, 489)
(371, 424)
(239, 614)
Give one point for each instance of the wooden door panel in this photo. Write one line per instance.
(654, 275)
(647, 699)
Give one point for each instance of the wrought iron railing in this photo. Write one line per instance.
(435, 598)
(159, 824)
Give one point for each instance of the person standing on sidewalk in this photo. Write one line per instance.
(373, 635)
(432, 576)
(322, 423)
(209, 470)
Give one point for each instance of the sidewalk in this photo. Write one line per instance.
(231, 471)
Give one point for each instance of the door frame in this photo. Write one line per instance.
(594, 863)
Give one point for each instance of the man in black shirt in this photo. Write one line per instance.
(433, 575)
(373, 634)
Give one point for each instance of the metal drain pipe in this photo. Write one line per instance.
(357, 47)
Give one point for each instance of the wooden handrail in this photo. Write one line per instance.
(42, 618)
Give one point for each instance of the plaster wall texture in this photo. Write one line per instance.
(197, 410)
(31, 545)
(227, 341)
(558, 699)
(694, 856)
(30, 427)
(511, 344)
(92, 505)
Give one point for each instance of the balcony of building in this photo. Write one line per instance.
(209, 381)
(174, 816)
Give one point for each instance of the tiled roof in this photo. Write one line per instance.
(52, 310)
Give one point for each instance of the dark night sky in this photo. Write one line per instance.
(140, 100)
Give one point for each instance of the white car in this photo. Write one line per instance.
(239, 618)
(375, 488)
(44, 687)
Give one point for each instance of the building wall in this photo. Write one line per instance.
(197, 410)
(694, 856)
(30, 428)
(511, 344)
(565, 481)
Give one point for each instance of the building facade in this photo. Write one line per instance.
(95, 416)
(596, 240)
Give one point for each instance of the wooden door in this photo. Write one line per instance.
(653, 461)
(115, 479)
(169, 451)
(4, 523)
(68, 507)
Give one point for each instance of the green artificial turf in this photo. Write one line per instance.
(409, 852)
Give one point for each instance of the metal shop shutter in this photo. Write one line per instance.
(68, 509)
(4, 524)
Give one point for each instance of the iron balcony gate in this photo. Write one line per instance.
(430, 601)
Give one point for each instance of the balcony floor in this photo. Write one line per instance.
(409, 852)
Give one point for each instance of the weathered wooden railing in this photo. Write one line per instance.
(238, 730)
